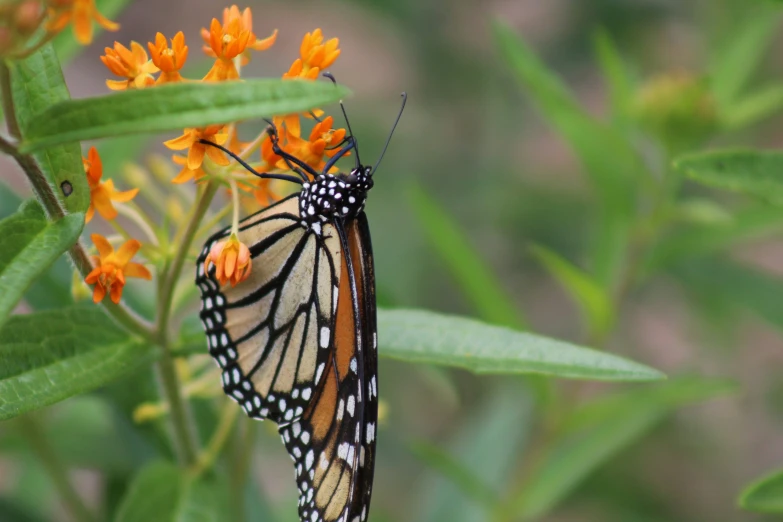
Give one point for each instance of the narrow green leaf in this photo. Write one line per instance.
(426, 337)
(464, 478)
(617, 78)
(37, 83)
(737, 59)
(475, 278)
(12, 511)
(694, 241)
(173, 107)
(758, 173)
(65, 43)
(30, 245)
(765, 495)
(599, 431)
(161, 492)
(507, 409)
(753, 108)
(737, 286)
(593, 301)
(49, 356)
(701, 211)
(609, 160)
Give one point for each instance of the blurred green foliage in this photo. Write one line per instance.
(467, 223)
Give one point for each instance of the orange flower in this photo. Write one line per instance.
(169, 60)
(133, 64)
(315, 56)
(231, 259)
(264, 193)
(186, 174)
(227, 41)
(82, 13)
(288, 124)
(111, 268)
(313, 150)
(268, 156)
(102, 194)
(246, 20)
(196, 150)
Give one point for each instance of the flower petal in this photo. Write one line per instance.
(126, 252)
(180, 142)
(137, 270)
(102, 244)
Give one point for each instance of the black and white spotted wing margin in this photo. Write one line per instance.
(333, 445)
(271, 335)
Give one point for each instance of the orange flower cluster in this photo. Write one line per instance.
(229, 42)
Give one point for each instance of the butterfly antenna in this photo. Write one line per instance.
(388, 140)
(263, 175)
(345, 115)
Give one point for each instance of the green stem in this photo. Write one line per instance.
(208, 457)
(184, 437)
(34, 435)
(185, 238)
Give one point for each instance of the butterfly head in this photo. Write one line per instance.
(341, 196)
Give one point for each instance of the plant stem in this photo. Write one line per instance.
(227, 421)
(36, 438)
(185, 238)
(184, 438)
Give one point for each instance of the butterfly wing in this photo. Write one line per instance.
(271, 333)
(362, 258)
(333, 445)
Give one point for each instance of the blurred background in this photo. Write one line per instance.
(485, 206)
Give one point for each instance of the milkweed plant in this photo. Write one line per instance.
(115, 335)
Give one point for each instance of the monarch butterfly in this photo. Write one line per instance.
(297, 340)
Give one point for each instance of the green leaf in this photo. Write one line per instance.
(12, 511)
(765, 495)
(758, 173)
(598, 431)
(173, 107)
(607, 157)
(762, 104)
(65, 43)
(161, 492)
(475, 278)
(473, 447)
(49, 356)
(30, 245)
(695, 241)
(701, 211)
(426, 337)
(463, 477)
(594, 302)
(737, 59)
(37, 83)
(617, 78)
(736, 285)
